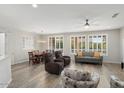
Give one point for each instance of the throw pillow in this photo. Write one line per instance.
(83, 53)
(80, 54)
(97, 54)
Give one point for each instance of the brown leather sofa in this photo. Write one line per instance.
(67, 59)
(53, 66)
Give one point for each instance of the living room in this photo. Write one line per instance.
(75, 30)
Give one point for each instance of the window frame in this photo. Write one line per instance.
(28, 42)
(50, 48)
(78, 45)
(97, 43)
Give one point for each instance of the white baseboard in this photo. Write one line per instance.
(110, 61)
(20, 61)
(8, 83)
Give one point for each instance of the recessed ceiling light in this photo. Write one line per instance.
(34, 5)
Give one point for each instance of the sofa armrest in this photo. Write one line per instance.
(54, 68)
(66, 56)
(101, 58)
(51, 65)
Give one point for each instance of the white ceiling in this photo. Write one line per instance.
(60, 18)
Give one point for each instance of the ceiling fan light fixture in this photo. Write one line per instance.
(87, 24)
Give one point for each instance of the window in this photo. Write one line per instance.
(78, 43)
(2, 44)
(55, 43)
(98, 43)
(28, 42)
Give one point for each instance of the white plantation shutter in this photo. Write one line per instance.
(28, 42)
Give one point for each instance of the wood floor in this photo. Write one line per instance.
(34, 76)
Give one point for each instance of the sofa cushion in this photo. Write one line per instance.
(68, 82)
(85, 84)
(79, 79)
(77, 75)
(85, 76)
(83, 53)
(89, 54)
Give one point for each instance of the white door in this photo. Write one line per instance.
(123, 49)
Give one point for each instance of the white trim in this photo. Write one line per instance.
(21, 61)
(8, 83)
(2, 44)
(110, 61)
(48, 42)
(122, 49)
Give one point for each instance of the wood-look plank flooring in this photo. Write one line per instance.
(34, 76)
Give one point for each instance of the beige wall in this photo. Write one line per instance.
(14, 45)
(15, 50)
(114, 55)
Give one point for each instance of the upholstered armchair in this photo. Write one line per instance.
(67, 59)
(53, 66)
(116, 83)
(79, 79)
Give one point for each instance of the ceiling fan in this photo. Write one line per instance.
(87, 24)
(91, 23)
(96, 21)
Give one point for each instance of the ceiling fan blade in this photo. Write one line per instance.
(95, 24)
